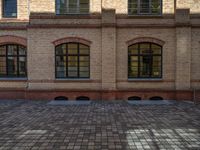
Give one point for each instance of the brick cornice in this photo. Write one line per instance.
(10, 39)
(146, 39)
(72, 39)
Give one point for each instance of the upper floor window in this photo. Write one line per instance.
(12, 61)
(10, 8)
(145, 60)
(72, 61)
(72, 7)
(144, 7)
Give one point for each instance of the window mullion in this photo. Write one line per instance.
(67, 75)
(78, 6)
(6, 60)
(139, 60)
(138, 9)
(151, 61)
(150, 11)
(18, 61)
(78, 62)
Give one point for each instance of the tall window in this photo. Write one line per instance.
(72, 61)
(72, 6)
(145, 61)
(144, 7)
(10, 8)
(12, 61)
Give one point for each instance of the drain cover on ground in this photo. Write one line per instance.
(152, 102)
(73, 102)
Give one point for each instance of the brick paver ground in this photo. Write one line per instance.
(98, 126)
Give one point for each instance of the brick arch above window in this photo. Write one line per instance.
(11, 39)
(72, 39)
(145, 39)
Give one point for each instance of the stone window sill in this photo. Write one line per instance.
(146, 80)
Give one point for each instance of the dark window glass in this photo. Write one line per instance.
(61, 98)
(72, 61)
(12, 61)
(134, 98)
(72, 6)
(144, 7)
(156, 98)
(145, 61)
(10, 8)
(83, 98)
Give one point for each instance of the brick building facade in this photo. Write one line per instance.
(102, 49)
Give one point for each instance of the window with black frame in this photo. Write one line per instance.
(144, 60)
(10, 8)
(72, 7)
(144, 7)
(12, 61)
(72, 61)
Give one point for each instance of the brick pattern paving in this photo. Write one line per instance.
(34, 125)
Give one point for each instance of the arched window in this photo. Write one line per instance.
(145, 60)
(72, 61)
(12, 60)
(144, 7)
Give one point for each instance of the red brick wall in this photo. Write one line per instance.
(96, 95)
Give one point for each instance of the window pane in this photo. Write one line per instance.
(144, 48)
(132, 7)
(2, 50)
(22, 50)
(86, 69)
(83, 49)
(73, 74)
(84, 58)
(22, 66)
(61, 60)
(144, 6)
(61, 6)
(133, 49)
(156, 61)
(156, 49)
(12, 49)
(155, 6)
(61, 66)
(145, 66)
(12, 66)
(156, 71)
(72, 64)
(10, 8)
(84, 64)
(72, 48)
(73, 6)
(73, 58)
(84, 6)
(84, 74)
(133, 72)
(2, 66)
(61, 49)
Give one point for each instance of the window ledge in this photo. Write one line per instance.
(145, 16)
(146, 80)
(74, 80)
(13, 79)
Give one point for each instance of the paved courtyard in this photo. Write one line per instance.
(98, 126)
